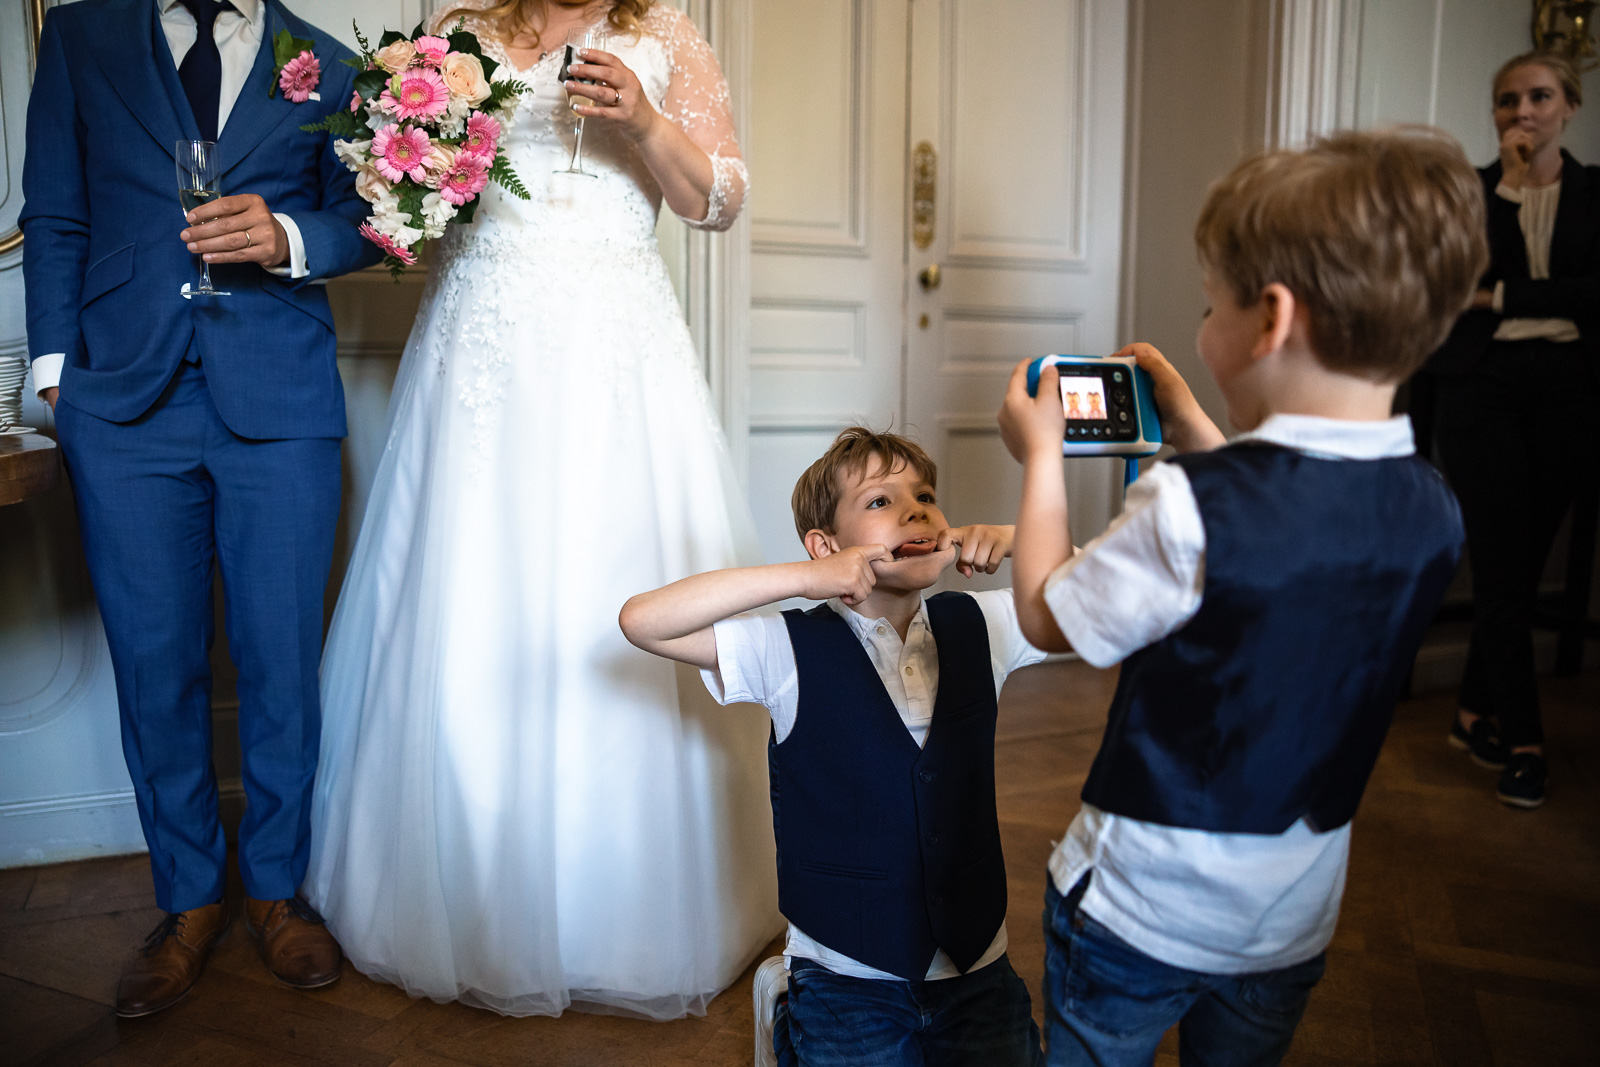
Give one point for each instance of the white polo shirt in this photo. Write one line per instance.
(755, 664)
(1213, 902)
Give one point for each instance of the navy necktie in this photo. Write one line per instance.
(201, 69)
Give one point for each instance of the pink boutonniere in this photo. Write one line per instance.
(297, 71)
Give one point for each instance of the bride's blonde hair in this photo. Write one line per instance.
(508, 18)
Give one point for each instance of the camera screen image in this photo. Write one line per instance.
(1083, 398)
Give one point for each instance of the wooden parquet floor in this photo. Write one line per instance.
(1470, 933)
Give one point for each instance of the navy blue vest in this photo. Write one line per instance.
(887, 852)
(1270, 705)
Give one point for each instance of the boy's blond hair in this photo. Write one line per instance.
(1381, 236)
(816, 494)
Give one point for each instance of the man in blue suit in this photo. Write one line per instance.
(198, 431)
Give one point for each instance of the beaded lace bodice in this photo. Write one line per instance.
(618, 207)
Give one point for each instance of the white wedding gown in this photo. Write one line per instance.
(516, 808)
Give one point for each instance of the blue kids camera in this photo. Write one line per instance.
(1110, 407)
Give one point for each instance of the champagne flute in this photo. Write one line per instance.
(199, 181)
(577, 40)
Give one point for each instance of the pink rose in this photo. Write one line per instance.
(463, 74)
(300, 77)
(395, 57)
(431, 50)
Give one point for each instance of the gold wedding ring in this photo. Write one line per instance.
(618, 101)
(248, 240)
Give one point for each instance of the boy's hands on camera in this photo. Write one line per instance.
(1184, 425)
(981, 547)
(1032, 426)
(846, 574)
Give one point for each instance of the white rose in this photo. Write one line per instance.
(353, 154)
(395, 57)
(373, 187)
(463, 76)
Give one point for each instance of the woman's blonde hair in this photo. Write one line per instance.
(509, 18)
(1559, 65)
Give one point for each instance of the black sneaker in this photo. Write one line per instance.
(1482, 742)
(1522, 782)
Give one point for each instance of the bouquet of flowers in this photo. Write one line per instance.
(422, 137)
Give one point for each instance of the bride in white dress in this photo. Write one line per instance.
(515, 808)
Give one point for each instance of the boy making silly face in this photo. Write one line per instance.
(883, 706)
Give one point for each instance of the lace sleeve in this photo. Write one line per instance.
(697, 102)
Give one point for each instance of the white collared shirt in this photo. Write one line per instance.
(238, 33)
(755, 664)
(1213, 902)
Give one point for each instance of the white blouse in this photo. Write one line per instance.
(1537, 216)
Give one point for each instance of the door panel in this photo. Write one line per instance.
(1023, 102)
(826, 152)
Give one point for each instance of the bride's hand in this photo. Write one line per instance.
(618, 97)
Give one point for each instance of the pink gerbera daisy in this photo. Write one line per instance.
(387, 243)
(431, 50)
(401, 152)
(300, 77)
(464, 179)
(416, 94)
(483, 136)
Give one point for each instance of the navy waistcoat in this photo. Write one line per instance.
(887, 852)
(1270, 705)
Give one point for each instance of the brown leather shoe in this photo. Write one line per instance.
(295, 945)
(171, 960)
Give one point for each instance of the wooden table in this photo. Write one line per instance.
(29, 465)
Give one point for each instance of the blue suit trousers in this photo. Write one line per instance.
(162, 501)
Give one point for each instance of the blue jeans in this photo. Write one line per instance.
(1108, 1004)
(832, 1020)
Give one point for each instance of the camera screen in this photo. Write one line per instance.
(1083, 398)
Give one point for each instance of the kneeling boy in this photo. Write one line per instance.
(883, 712)
(1265, 597)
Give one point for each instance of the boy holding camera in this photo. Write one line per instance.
(1264, 596)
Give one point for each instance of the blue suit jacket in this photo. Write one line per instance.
(102, 260)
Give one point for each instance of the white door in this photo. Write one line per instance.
(890, 137)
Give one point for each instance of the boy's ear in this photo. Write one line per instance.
(819, 544)
(1278, 307)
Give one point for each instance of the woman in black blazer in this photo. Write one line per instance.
(1517, 387)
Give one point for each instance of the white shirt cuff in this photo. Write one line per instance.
(1505, 192)
(296, 267)
(1498, 305)
(47, 371)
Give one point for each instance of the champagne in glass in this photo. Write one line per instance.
(577, 40)
(199, 181)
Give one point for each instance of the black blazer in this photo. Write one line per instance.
(1571, 292)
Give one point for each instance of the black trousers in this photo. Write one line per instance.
(1516, 437)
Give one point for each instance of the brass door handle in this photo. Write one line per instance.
(930, 277)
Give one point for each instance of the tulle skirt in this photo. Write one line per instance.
(515, 808)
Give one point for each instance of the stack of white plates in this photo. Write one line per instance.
(13, 369)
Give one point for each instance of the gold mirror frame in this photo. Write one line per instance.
(12, 240)
(1567, 28)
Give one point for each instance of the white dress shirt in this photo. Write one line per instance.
(238, 33)
(755, 664)
(1213, 902)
